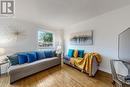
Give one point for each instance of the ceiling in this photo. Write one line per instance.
(59, 14)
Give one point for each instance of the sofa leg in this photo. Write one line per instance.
(82, 70)
(113, 82)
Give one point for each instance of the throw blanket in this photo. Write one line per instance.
(86, 62)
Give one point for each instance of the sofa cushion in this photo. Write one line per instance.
(13, 59)
(70, 52)
(22, 58)
(31, 57)
(81, 53)
(48, 54)
(40, 55)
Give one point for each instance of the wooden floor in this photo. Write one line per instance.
(58, 76)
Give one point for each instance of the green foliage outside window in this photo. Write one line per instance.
(45, 39)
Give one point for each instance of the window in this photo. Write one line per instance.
(45, 39)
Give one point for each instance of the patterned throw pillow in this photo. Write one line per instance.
(13, 59)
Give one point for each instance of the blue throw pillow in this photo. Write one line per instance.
(40, 55)
(48, 54)
(34, 54)
(80, 53)
(51, 54)
(22, 58)
(70, 53)
(54, 53)
(31, 58)
(13, 59)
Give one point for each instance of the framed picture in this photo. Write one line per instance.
(82, 38)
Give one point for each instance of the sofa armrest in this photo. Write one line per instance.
(94, 67)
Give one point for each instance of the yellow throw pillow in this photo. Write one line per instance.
(75, 53)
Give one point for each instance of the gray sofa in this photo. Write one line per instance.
(17, 72)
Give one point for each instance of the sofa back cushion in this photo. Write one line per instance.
(22, 58)
(40, 55)
(13, 59)
(70, 53)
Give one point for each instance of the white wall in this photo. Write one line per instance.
(28, 39)
(106, 29)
